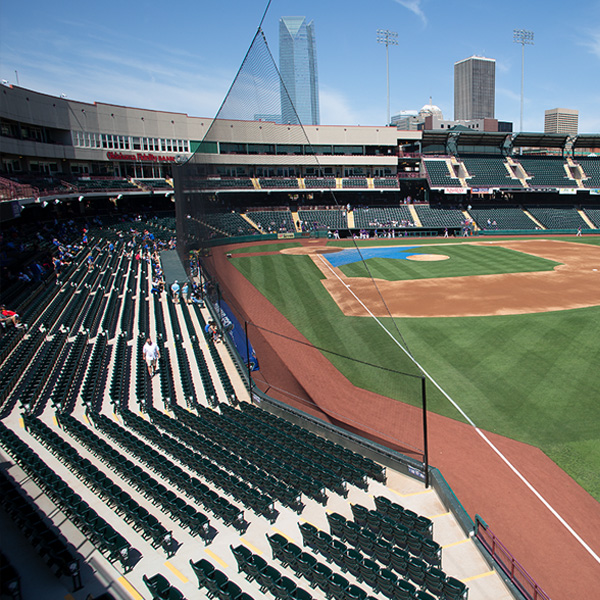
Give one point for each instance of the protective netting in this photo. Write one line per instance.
(247, 147)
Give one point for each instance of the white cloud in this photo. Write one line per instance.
(337, 109)
(415, 7)
(181, 83)
(510, 94)
(593, 43)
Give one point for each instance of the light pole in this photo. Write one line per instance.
(389, 38)
(522, 36)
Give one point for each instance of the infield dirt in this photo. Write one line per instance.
(573, 284)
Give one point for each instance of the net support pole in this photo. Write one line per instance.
(219, 321)
(425, 444)
(248, 360)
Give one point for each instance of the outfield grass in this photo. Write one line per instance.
(529, 377)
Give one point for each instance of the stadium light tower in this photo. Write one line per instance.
(523, 37)
(389, 38)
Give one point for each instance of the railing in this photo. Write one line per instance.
(507, 562)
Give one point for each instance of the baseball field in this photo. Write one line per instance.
(509, 329)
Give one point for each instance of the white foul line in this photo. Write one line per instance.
(470, 421)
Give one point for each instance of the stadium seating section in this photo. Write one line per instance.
(593, 215)
(439, 217)
(384, 217)
(385, 182)
(319, 182)
(354, 182)
(228, 224)
(153, 184)
(501, 218)
(267, 183)
(591, 168)
(324, 219)
(546, 172)
(103, 185)
(205, 462)
(438, 174)
(272, 221)
(488, 172)
(559, 218)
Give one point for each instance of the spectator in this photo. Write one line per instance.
(175, 290)
(151, 356)
(196, 298)
(9, 316)
(212, 328)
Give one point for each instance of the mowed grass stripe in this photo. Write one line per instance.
(528, 377)
(464, 260)
(301, 297)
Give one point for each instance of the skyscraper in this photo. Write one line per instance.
(561, 120)
(474, 88)
(298, 68)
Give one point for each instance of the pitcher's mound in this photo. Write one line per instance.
(428, 257)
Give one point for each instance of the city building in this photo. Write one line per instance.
(298, 68)
(430, 117)
(561, 120)
(406, 120)
(474, 88)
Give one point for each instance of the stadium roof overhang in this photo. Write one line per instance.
(435, 138)
(482, 138)
(451, 139)
(540, 140)
(587, 140)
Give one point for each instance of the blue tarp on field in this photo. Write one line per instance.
(352, 255)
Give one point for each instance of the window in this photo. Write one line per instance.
(324, 150)
(9, 129)
(261, 149)
(137, 144)
(289, 149)
(227, 148)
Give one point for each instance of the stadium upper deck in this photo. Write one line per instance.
(60, 148)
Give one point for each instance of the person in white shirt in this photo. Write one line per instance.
(151, 355)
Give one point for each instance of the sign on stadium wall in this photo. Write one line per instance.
(569, 191)
(139, 157)
(285, 236)
(481, 190)
(455, 190)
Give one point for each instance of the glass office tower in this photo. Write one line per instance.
(474, 88)
(298, 68)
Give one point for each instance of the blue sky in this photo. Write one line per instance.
(182, 56)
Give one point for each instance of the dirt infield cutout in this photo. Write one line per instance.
(573, 284)
(427, 257)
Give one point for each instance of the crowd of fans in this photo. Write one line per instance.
(32, 255)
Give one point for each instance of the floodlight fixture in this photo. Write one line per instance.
(525, 38)
(389, 38)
